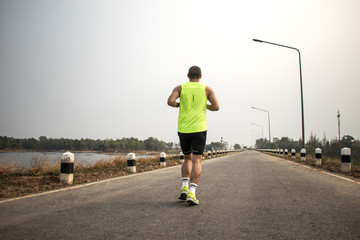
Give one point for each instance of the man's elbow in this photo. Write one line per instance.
(169, 102)
(214, 108)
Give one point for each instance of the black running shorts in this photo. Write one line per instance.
(192, 142)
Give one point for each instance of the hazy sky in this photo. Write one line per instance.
(104, 69)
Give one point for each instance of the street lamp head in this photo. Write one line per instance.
(257, 40)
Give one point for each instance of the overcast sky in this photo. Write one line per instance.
(104, 69)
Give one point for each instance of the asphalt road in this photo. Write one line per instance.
(248, 195)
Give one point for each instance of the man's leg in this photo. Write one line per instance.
(185, 173)
(196, 169)
(198, 145)
(186, 166)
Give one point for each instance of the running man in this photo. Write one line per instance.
(192, 128)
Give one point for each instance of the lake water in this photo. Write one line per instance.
(23, 159)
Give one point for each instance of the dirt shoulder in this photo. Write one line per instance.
(329, 165)
(16, 185)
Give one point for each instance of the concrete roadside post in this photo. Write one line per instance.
(345, 160)
(209, 154)
(67, 168)
(286, 153)
(303, 154)
(318, 153)
(162, 159)
(131, 163)
(293, 153)
(181, 157)
(213, 154)
(281, 152)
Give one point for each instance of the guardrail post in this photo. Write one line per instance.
(318, 153)
(131, 163)
(293, 153)
(67, 168)
(303, 154)
(163, 159)
(181, 157)
(345, 159)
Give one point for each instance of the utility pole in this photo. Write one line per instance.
(338, 116)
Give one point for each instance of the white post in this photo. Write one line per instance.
(345, 160)
(293, 153)
(281, 152)
(131, 163)
(286, 152)
(303, 154)
(318, 153)
(163, 159)
(181, 157)
(213, 153)
(209, 154)
(67, 168)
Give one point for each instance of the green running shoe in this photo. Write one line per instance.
(183, 193)
(191, 199)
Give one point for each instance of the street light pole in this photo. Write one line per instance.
(301, 87)
(268, 119)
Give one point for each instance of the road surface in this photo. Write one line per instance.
(248, 195)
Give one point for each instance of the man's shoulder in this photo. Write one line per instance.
(208, 88)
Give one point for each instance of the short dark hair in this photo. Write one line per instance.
(194, 72)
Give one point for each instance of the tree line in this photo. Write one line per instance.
(57, 144)
(330, 148)
(221, 146)
(107, 145)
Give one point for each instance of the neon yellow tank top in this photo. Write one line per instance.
(192, 113)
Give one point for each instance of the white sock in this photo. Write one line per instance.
(185, 182)
(192, 188)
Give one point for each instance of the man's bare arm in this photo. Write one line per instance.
(173, 96)
(212, 99)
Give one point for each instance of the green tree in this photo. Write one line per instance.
(347, 141)
(237, 146)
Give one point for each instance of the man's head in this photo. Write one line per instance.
(194, 73)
